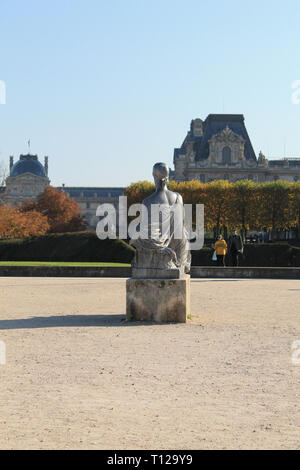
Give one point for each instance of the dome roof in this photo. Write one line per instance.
(28, 164)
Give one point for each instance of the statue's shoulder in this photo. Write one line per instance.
(149, 200)
(170, 197)
(176, 197)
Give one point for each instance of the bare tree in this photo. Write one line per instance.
(3, 174)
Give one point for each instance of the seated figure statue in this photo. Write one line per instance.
(162, 245)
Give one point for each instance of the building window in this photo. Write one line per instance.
(226, 155)
(296, 178)
(27, 190)
(202, 178)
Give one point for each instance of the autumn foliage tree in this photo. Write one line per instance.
(17, 224)
(274, 206)
(216, 205)
(62, 212)
(274, 210)
(243, 205)
(192, 192)
(137, 192)
(53, 212)
(295, 206)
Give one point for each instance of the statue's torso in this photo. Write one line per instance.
(159, 255)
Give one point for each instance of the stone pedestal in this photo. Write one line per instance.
(158, 300)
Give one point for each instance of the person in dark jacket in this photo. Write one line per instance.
(235, 247)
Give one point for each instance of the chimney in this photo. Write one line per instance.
(197, 127)
(46, 166)
(11, 163)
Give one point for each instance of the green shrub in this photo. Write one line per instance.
(269, 254)
(79, 246)
(86, 247)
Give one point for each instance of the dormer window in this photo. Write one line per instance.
(226, 156)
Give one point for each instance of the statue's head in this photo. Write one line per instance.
(161, 172)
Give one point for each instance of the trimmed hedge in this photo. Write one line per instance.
(79, 246)
(86, 247)
(260, 255)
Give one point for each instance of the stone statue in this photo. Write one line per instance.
(191, 157)
(162, 246)
(261, 157)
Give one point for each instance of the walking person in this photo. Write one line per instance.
(221, 250)
(235, 247)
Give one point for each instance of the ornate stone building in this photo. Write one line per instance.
(217, 148)
(28, 178)
(220, 148)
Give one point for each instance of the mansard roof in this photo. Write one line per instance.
(92, 192)
(213, 124)
(291, 162)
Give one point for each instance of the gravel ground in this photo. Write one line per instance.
(77, 376)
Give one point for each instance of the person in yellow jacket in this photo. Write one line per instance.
(221, 250)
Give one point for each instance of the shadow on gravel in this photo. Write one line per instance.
(219, 280)
(62, 321)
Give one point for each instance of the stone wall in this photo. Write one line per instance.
(125, 272)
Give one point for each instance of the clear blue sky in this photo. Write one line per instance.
(107, 88)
